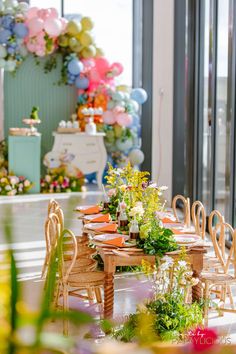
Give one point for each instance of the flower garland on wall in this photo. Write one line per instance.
(28, 30)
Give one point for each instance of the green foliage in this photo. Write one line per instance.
(127, 332)
(156, 240)
(172, 318)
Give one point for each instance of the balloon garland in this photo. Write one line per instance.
(43, 33)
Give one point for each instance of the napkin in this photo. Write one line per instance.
(107, 228)
(168, 221)
(102, 218)
(93, 209)
(178, 232)
(118, 241)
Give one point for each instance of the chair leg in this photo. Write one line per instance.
(206, 305)
(231, 299)
(65, 309)
(98, 295)
(90, 292)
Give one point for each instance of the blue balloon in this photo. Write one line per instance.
(136, 120)
(139, 95)
(4, 36)
(7, 21)
(20, 30)
(75, 67)
(82, 83)
(11, 50)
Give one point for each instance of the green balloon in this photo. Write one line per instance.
(73, 28)
(63, 41)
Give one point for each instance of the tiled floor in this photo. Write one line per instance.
(26, 216)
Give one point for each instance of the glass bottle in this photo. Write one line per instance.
(134, 230)
(123, 219)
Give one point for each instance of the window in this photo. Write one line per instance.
(113, 30)
(211, 27)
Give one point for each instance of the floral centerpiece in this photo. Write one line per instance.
(131, 190)
(166, 313)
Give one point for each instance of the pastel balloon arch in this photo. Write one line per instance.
(28, 30)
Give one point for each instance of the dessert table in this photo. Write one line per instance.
(111, 261)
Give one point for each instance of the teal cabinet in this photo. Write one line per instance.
(24, 158)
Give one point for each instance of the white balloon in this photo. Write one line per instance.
(23, 6)
(136, 157)
(11, 3)
(10, 65)
(2, 63)
(3, 51)
(9, 11)
(23, 51)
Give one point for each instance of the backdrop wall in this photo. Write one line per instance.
(32, 87)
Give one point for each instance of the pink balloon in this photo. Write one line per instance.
(40, 52)
(116, 69)
(35, 25)
(124, 119)
(53, 13)
(64, 23)
(40, 38)
(95, 75)
(31, 47)
(43, 13)
(102, 65)
(109, 117)
(53, 27)
(119, 109)
(32, 12)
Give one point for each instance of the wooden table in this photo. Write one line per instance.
(111, 261)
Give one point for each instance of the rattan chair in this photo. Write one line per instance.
(224, 277)
(199, 218)
(186, 203)
(72, 283)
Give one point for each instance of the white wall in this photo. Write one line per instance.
(1, 105)
(163, 62)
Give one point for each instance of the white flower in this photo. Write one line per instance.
(111, 192)
(137, 210)
(163, 188)
(27, 183)
(48, 178)
(168, 260)
(14, 180)
(182, 264)
(8, 187)
(164, 266)
(13, 192)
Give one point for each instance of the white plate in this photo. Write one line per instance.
(162, 215)
(92, 216)
(173, 225)
(96, 225)
(107, 237)
(187, 238)
(85, 207)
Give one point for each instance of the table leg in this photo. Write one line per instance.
(109, 295)
(197, 289)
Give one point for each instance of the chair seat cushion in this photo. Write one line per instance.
(216, 277)
(86, 279)
(82, 265)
